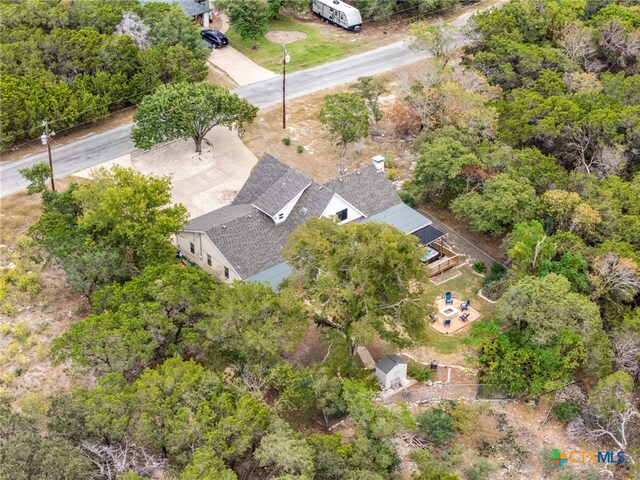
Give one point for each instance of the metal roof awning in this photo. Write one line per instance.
(273, 276)
(401, 216)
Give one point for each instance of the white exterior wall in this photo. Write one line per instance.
(388, 379)
(336, 204)
(288, 207)
(203, 247)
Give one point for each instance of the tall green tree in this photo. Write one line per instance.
(140, 323)
(359, 280)
(370, 90)
(347, 118)
(188, 110)
(504, 201)
(250, 18)
(110, 228)
(542, 309)
(129, 211)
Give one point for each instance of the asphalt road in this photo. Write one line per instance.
(102, 147)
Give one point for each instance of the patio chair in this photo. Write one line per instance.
(464, 317)
(447, 323)
(448, 298)
(434, 318)
(465, 306)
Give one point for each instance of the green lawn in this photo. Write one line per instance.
(314, 50)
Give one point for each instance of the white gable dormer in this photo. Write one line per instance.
(339, 207)
(284, 212)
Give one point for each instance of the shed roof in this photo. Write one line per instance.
(401, 216)
(388, 363)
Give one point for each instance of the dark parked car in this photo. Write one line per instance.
(215, 38)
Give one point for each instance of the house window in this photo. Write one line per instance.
(226, 272)
(208, 259)
(281, 216)
(342, 215)
(192, 248)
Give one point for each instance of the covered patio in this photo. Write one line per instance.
(451, 313)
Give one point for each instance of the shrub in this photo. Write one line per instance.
(565, 411)
(479, 267)
(419, 372)
(494, 290)
(5, 329)
(21, 331)
(436, 426)
(286, 141)
(404, 120)
(392, 174)
(408, 198)
(496, 273)
(299, 149)
(479, 471)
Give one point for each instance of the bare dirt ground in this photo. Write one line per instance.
(320, 157)
(509, 436)
(282, 36)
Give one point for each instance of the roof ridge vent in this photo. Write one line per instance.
(304, 211)
(224, 226)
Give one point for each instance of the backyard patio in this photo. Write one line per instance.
(453, 314)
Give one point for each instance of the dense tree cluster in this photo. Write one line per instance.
(109, 229)
(381, 10)
(194, 377)
(74, 62)
(533, 137)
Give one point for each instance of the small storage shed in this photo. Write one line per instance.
(391, 371)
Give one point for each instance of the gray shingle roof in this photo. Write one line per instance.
(191, 8)
(271, 176)
(367, 190)
(222, 215)
(388, 363)
(252, 242)
(281, 192)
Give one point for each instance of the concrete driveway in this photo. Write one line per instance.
(200, 182)
(240, 68)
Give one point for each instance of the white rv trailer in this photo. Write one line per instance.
(338, 12)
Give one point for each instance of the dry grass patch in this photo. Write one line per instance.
(36, 303)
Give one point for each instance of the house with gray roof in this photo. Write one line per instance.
(244, 240)
(191, 8)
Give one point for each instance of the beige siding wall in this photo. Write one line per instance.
(203, 246)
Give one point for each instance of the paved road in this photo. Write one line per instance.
(99, 148)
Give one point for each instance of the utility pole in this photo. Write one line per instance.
(285, 59)
(46, 140)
